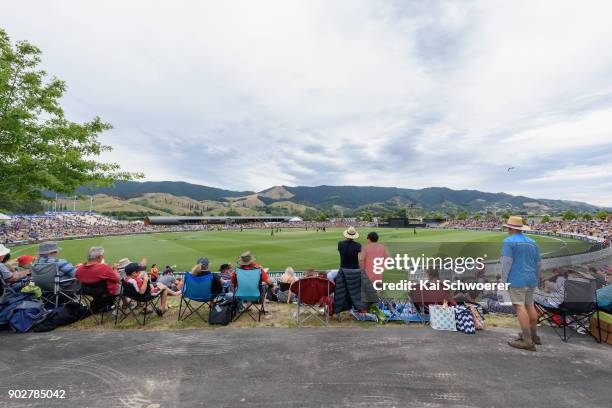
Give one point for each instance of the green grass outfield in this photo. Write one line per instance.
(291, 247)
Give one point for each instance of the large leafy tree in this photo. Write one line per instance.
(39, 148)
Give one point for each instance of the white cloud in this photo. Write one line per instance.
(249, 94)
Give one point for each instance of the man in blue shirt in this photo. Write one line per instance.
(521, 268)
(48, 253)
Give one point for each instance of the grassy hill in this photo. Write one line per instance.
(184, 198)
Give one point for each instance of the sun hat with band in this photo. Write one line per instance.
(578, 270)
(123, 262)
(516, 223)
(246, 258)
(351, 233)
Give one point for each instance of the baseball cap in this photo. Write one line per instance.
(203, 261)
(133, 267)
(25, 260)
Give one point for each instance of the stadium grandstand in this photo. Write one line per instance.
(181, 220)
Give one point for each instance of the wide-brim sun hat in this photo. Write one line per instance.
(579, 270)
(246, 258)
(350, 233)
(122, 263)
(4, 250)
(516, 223)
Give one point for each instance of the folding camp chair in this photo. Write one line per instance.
(46, 277)
(313, 292)
(125, 306)
(401, 310)
(196, 289)
(579, 305)
(249, 290)
(96, 299)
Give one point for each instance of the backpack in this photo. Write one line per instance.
(222, 313)
(27, 314)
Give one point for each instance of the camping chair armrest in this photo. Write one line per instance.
(67, 280)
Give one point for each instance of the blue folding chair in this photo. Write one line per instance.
(196, 289)
(249, 290)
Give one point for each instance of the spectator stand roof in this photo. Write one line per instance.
(176, 220)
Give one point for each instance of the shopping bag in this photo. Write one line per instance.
(442, 318)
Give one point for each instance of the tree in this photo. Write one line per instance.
(569, 215)
(505, 214)
(462, 216)
(586, 216)
(40, 148)
(367, 216)
(545, 218)
(602, 215)
(232, 213)
(321, 217)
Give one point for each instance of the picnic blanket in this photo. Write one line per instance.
(353, 290)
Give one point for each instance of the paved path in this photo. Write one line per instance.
(376, 367)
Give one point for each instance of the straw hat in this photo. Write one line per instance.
(516, 223)
(351, 233)
(580, 270)
(4, 250)
(246, 258)
(122, 263)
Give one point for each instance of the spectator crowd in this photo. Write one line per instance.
(57, 226)
(601, 229)
(125, 282)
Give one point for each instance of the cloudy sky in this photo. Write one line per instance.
(249, 94)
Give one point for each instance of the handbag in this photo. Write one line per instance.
(442, 317)
(465, 320)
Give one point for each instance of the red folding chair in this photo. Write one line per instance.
(313, 292)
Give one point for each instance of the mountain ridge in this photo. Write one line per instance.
(326, 197)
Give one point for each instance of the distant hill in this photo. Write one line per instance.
(185, 198)
(130, 189)
(432, 198)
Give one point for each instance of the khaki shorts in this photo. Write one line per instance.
(521, 296)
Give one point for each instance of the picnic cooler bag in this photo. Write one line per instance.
(605, 321)
(442, 317)
(222, 313)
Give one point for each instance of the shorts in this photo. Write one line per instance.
(521, 296)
